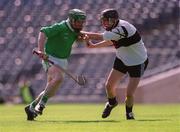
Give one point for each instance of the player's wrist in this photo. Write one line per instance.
(41, 50)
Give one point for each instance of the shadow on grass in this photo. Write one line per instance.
(79, 121)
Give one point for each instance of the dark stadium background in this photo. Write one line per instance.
(157, 21)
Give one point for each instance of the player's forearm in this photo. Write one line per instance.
(99, 45)
(41, 41)
(94, 36)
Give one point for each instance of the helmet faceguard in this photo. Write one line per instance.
(77, 19)
(109, 19)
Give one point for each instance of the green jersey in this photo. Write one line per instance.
(60, 38)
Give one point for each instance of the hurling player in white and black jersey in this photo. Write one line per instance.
(131, 57)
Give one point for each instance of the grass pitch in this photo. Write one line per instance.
(87, 118)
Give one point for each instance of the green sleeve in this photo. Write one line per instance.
(51, 30)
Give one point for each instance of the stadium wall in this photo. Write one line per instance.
(161, 88)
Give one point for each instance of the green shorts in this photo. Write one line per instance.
(61, 62)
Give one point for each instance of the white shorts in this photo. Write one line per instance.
(61, 62)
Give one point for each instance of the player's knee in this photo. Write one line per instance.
(57, 80)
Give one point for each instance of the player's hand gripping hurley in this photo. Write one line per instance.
(81, 80)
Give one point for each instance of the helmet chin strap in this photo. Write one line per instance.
(77, 30)
(113, 26)
(74, 28)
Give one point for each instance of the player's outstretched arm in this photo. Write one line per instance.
(99, 44)
(92, 35)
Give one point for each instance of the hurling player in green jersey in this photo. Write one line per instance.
(56, 42)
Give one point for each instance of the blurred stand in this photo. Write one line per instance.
(2, 100)
(158, 22)
(27, 94)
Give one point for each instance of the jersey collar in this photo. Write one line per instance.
(69, 25)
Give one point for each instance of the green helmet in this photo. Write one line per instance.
(77, 14)
(77, 19)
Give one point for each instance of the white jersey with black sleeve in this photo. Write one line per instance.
(129, 46)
